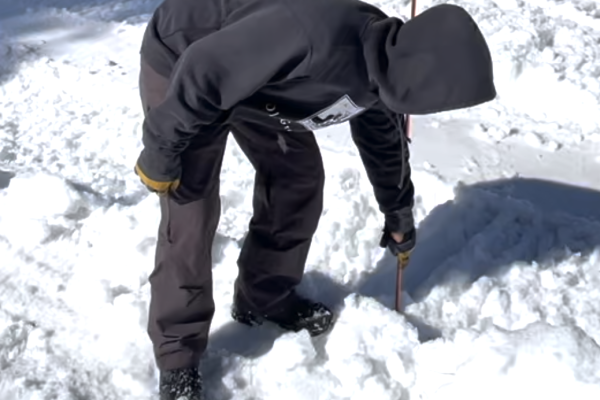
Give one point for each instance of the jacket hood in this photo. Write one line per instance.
(437, 61)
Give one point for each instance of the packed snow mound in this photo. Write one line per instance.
(384, 359)
(501, 294)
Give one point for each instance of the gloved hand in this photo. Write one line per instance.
(402, 223)
(156, 186)
(401, 245)
(399, 234)
(404, 246)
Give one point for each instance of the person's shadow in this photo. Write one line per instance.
(485, 229)
(490, 226)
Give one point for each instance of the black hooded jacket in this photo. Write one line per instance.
(304, 65)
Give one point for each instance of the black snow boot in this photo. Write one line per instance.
(293, 313)
(181, 384)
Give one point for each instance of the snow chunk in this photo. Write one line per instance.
(370, 351)
(33, 209)
(538, 361)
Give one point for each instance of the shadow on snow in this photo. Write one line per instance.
(488, 227)
(106, 10)
(29, 26)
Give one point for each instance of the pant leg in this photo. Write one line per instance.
(287, 205)
(181, 304)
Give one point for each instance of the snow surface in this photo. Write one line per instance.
(502, 293)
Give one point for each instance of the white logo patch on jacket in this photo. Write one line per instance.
(341, 111)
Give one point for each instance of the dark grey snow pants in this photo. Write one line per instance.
(287, 204)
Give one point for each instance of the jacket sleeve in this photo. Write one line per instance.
(383, 148)
(212, 76)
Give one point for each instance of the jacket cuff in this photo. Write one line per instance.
(400, 221)
(159, 168)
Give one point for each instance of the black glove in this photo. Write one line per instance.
(400, 221)
(406, 246)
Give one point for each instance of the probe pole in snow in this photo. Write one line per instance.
(402, 263)
(403, 257)
(399, 287)
(413, 13)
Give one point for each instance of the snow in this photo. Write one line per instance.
(502, 293)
